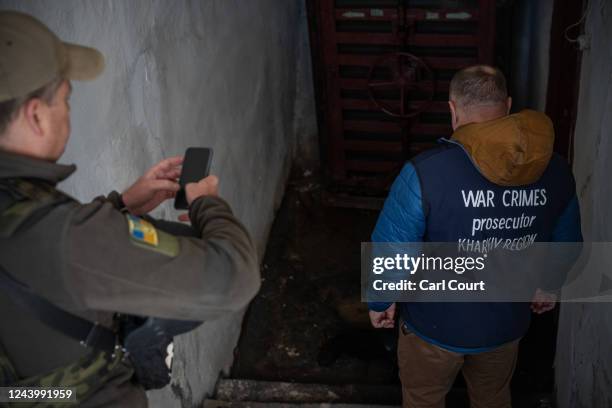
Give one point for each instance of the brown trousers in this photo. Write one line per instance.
(427, 373)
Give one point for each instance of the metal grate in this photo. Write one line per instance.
(356, 41)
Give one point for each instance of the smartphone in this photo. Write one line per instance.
(196, 166)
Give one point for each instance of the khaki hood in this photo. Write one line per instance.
(510, 151)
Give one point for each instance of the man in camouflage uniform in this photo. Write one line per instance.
(98, 259)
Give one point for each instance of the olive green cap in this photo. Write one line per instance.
(32, 56)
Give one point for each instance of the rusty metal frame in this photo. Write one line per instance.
(343, 157)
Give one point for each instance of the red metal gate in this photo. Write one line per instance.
(383, 69)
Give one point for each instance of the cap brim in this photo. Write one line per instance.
(82, 63)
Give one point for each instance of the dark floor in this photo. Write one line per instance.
(308, 323)
(309, 296)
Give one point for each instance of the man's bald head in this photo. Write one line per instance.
(478, 93)
(479, 85)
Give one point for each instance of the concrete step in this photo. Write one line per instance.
(232, 393)
(252, 391)
(246, 404)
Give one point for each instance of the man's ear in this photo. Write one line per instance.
(508, 105)
(453, 110)
(33, 111)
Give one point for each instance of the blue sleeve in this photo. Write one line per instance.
(402, 218)
(568, 227)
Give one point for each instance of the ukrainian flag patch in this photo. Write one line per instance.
(142, 231)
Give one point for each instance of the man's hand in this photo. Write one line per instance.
(383, 320)
(157, 185)
(543, 302)
(208, 186)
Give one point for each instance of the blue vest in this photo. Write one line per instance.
(453, 193)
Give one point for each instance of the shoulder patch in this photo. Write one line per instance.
(142, 231)
(143, 234)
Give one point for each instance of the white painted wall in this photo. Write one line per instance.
(584, 352)
(230, 74)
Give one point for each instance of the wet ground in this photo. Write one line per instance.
(308, 324)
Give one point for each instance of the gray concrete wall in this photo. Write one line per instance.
(307, 147)
(230, 74)
(530, 51)
(584, 353)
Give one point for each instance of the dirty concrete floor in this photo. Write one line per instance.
(308, 323)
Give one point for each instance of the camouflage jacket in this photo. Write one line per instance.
(94, 260)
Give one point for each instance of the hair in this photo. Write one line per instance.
(478, 85)
(10, 108)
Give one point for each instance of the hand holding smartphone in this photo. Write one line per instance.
(196, 166)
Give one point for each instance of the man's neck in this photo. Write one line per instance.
(482, 114)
